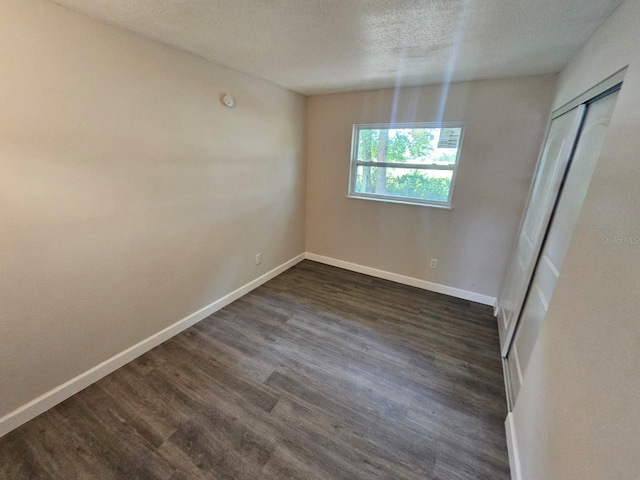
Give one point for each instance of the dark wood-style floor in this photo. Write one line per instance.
(319, 374)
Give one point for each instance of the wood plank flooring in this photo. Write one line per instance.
(319, 374)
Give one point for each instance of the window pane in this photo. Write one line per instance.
(385, 157)
(409, 145)
(423, 184)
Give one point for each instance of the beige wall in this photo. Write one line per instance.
(129, 196)
(505, 125)
(578, 413)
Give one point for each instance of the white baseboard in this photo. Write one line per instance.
(512, 447)
(48, 400)
(414, 282)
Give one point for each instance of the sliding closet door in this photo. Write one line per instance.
(558, 238)
(548, 179)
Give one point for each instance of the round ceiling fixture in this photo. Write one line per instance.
(228, 100)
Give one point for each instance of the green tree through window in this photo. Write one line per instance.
(414, 163)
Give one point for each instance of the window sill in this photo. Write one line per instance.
(401, 202)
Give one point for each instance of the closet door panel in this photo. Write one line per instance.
(548, 179)
(560, 233)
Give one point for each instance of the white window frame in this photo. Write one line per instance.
(355, 163)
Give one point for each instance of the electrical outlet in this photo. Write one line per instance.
(434, 263)
(258, 258)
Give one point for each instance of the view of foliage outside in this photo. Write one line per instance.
(406, 149)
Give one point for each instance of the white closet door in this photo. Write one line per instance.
(557, 241)
(548, 179)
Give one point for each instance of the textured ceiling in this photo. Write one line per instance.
(319, 46)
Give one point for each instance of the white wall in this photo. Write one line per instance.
(578, 413)
(129, 196)
(505, 124)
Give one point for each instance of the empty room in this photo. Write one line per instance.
(386, 239)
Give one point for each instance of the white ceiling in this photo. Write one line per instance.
(320, 46)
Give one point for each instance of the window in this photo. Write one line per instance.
(405, 163)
